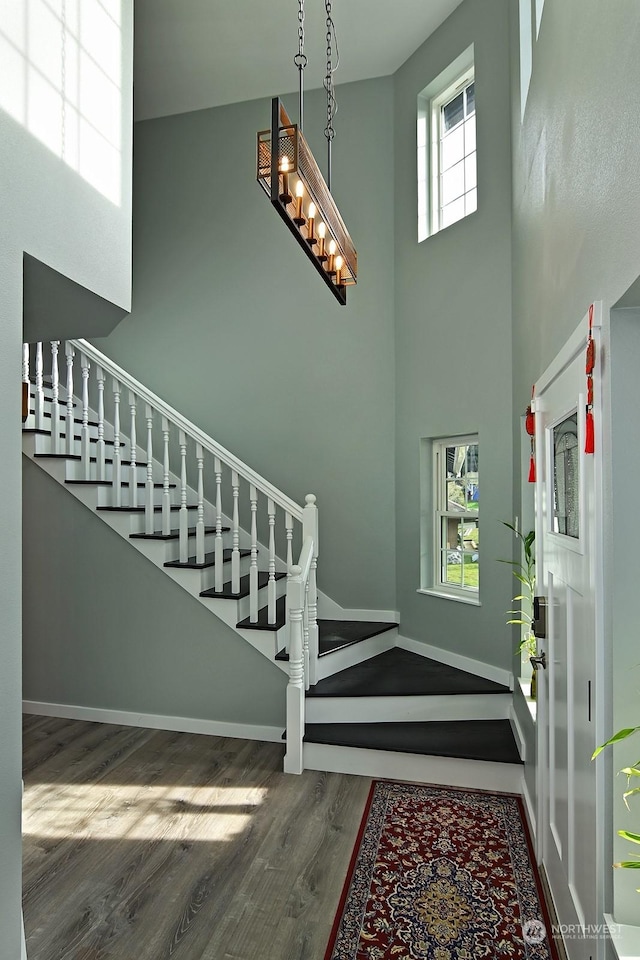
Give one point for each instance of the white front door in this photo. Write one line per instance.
(568, 578)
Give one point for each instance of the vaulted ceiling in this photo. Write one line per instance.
(192, 54)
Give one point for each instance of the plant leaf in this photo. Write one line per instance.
(632, 837)
(620, 735)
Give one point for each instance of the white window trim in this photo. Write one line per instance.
(439, 587)
(436, 120)
(444, 81)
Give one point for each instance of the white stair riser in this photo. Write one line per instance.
(267, 640)
(448, 771)
(418, 708)
(209, 574)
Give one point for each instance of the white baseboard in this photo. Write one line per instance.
(328, 609)
(517, 733)
(477, 667)
(447, 771)
(529, 809)
(212, 728)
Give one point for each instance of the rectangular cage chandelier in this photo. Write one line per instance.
(290, 176)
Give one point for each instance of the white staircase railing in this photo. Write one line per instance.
(238, 493)
(98, 421)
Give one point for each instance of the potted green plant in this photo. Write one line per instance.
(524, 571)
(632, 771)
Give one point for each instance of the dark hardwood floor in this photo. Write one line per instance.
(146, 845)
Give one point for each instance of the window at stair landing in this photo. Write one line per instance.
(455, 518)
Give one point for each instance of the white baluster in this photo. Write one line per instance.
(305, 635)
(70, 354)
(101, 472)
(84, 432)
(166, 490)
(235, 549)
(39, 387)
(55, 388)
(271, 587)
(288, 525)
(310, 529)
(26, 400)
(25, 363)
(133, 473)
(293, 760)
(116, 477)
(184, 513)
(219, 556)
(200, 521)
(253, 569)
(148, 493)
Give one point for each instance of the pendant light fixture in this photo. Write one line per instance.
(291, 177)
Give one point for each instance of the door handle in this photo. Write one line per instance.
(540, 661)
(539, 625)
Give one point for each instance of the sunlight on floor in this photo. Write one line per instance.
(138, 812)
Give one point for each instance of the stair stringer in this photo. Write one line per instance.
(268, 643)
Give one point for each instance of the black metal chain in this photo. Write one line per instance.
(332, 103)
(300, 61)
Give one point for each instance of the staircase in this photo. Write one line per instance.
(356, 701)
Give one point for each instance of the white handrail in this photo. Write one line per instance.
(190, 428)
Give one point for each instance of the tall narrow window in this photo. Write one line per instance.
(446, 141)
(455, 182)
(457, 515)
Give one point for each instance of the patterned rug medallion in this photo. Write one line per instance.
(441, 873)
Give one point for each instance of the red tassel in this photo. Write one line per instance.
(589, 440)
(532, 469)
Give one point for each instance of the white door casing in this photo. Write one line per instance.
(570, 576)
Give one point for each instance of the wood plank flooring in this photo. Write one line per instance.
(149, 845)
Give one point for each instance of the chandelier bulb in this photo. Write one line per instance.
(299, 218)
(338, 265)
(311, 237)
(285, 196)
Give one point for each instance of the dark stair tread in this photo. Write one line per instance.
(76, 436)
(209, 560)
(90, 423)
(174, 535)
(262, 622)
(490, 740)
(336, 634)
(157, 509)
(227, 591)
(108, 483)
(398, 672)
(77, 456)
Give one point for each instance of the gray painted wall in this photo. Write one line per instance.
(126, 639)
(53, 214)
(453, 336)
(576, 230)
(234, 328)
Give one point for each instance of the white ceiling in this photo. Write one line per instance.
(191, 54)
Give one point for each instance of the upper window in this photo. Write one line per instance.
(447, 170)
(455, 180)
(457, 515)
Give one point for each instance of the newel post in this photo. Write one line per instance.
(293, 760)
(310, 529)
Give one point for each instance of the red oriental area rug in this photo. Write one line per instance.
(441, 873)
